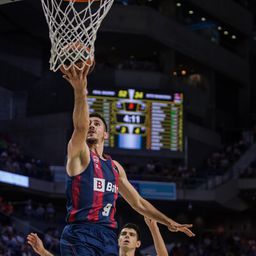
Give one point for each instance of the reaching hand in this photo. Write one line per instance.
(36, 243)
(150, 222)
(76, 77)
(185, 228)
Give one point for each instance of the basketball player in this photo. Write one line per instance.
(128, 240)
(94, 181)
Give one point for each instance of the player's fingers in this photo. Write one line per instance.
(33, 235)
(62, 69)
(31, 238)
(66, 78)
(173, 229)
(74, 71)
(30, 243)
(65, 70)
(187, 231)
(185, 225)
(85, 71)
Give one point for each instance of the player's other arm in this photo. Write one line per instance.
(157, 237)
(145, 208)
(78, 151)
(37, 245)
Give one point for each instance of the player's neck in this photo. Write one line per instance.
(126, 253)
(97, 149)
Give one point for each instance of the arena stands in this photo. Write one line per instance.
(249, 172)
(221, 160)
(13, 159)
(26, 217)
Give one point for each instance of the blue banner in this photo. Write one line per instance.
(155, 190)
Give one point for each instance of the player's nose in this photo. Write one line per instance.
(91, 127)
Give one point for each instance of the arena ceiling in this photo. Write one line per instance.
(25, 45)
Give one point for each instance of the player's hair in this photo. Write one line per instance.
(132, 226)
(101, 118)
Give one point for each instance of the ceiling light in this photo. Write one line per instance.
(203, 19)
(178, 4)
(183, 72)
(191, 12)
(233, 37)
(219, 28)
(226, 32)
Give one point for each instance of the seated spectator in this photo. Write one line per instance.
(50, 212)
(13, 159)
(29, 208)
(40, 211)
(7, 209)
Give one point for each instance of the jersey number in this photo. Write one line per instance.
(106, 210)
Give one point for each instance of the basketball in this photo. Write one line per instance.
(76, 54)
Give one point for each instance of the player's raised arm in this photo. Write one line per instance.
(157, 237)
(78, 151)
(145, 208)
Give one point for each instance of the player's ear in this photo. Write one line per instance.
(106, 135)
(138, 244)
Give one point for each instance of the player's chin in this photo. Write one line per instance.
(91, 140)
(125, 246)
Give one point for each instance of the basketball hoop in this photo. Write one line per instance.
(73, 23)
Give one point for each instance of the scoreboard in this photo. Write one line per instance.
(140, 120)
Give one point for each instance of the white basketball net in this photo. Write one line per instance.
(73, 29)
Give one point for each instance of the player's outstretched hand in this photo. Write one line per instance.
(150, 222)
(36, 243)
(76, 77)
(185, 228)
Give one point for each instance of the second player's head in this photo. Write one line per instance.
(98, 130)
(129, 238)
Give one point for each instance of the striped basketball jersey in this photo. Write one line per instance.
(91, 195)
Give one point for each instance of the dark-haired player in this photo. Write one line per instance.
(94, 181)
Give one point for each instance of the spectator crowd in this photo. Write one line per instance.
(13, 159)
(221, 160)
(13, 239)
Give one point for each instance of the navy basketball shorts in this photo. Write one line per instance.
(88, 239)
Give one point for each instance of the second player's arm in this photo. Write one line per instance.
(159, 244)
(78, 151)
(142, 206)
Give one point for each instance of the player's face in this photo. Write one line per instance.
(128, 239)
(96, 133)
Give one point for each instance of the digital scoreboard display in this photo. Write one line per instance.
(140, 120)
